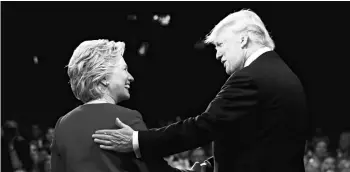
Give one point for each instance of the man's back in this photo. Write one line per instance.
(73, 149)
(272, 137)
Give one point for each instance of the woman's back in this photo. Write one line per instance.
(73, 149)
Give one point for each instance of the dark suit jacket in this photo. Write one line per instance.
(22, 147)
(257, 121)
(73, 149)
(6, 164)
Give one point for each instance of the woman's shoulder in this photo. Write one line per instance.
(102, 111)
(108, 108)
(128, 111)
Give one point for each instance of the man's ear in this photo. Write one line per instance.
(244, 41)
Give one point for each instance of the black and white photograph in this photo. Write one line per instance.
(175, 86)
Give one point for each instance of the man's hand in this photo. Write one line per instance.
(119, 140)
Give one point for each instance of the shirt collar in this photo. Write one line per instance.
(255, 55)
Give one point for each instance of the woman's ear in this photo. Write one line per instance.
(104, 82)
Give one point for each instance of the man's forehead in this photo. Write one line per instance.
(219, 40)
(222, 35)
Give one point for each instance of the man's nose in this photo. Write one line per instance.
(218, 55)
(131, 79)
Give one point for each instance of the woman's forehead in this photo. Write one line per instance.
(121, 62)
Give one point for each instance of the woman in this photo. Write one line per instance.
(99, 77)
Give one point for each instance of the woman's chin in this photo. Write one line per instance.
(126, 96)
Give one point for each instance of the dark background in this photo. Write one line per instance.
(175, 78)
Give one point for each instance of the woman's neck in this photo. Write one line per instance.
(104, 99)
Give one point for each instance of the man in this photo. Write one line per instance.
(6, 164)
(17, 147)
(258, 119)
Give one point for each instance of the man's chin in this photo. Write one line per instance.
(229, 72)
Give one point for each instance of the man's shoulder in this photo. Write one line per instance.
(242, 75)
(266, 69)
(267, 64)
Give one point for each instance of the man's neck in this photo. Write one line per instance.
(253, 53)
(252, 50)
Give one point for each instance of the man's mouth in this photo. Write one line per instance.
(224, 63)
(127, 86)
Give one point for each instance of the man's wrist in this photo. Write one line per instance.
(135, 144)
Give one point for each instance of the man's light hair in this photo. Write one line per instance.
(244, 21)
(90, 63)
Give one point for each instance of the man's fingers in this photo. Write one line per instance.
(104, 142)
(104, 132)
(106, 147)
(102, 136)
(120, 124)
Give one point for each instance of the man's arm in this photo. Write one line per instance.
(237, 98)
(156, 163)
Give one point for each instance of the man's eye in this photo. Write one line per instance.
(218, 46)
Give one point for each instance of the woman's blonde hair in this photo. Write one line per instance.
(90, 63)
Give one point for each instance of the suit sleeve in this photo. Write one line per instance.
(156, 162)
(23, 151)
(237, 98)
(57, 164)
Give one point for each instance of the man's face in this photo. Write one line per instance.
(328, 164)
(36, 131)
(198, 155)
(344, 142)
(229, 51)
(321, 148)
(50, 134)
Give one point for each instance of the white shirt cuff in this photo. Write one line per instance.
(135, 144)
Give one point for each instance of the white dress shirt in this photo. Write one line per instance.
(250, 59)
(255, 55)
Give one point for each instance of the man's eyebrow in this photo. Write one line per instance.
(217, 43)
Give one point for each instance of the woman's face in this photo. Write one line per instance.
(119, 81)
